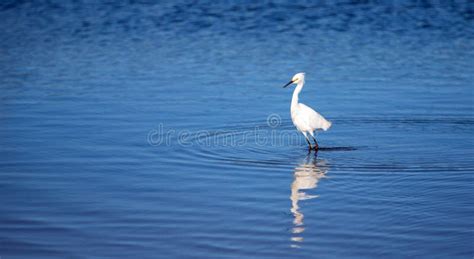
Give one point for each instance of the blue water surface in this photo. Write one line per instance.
(133, 129)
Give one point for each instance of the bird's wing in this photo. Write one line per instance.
(314, 119)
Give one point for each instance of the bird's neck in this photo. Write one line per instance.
(294, 100)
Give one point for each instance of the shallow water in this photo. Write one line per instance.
(141, 130)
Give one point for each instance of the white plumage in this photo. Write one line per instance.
(304, 118)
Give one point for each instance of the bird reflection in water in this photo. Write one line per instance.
(306, 177)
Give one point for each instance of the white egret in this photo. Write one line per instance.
(304, 118)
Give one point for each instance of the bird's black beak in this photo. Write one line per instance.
(289, 83)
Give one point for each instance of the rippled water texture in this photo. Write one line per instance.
(161, 130)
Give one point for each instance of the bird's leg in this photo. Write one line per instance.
(316, 146)
(307, 139)
(309, 143)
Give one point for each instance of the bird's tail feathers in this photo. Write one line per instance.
(327, 125)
